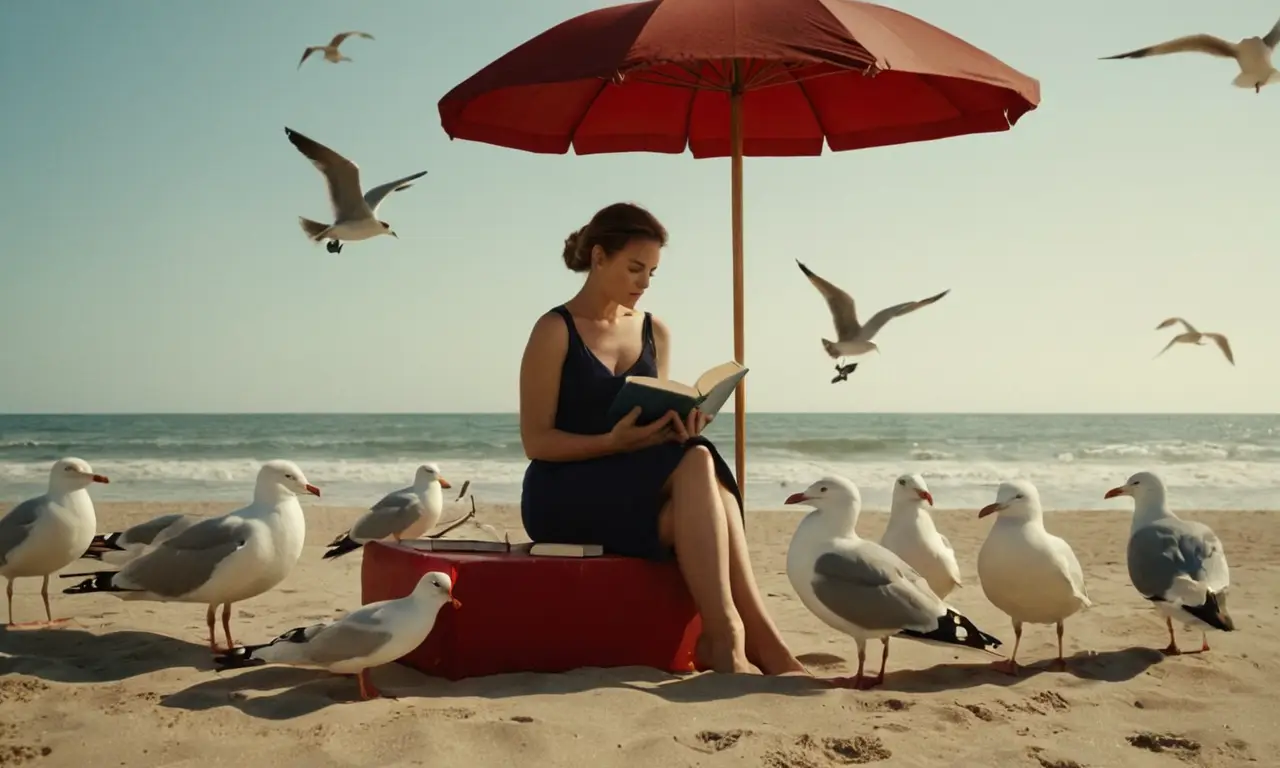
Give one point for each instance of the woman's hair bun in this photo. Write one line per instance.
(574, 258)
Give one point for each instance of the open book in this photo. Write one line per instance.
(657, 396)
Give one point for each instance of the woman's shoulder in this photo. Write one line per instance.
(660, 330)
(550, 327)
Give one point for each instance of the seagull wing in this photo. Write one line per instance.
(1222, 343)
(1272, 38)
(338, 38)
(1214, 46)
(1172, 341)
(373, 198)
(843, 313)
(342, 175)
(310, 50)
(1172, 320)
(878, 320)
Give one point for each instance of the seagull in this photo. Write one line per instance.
(1252, 54)
(1027, 572)
(404, 514)
(853, 339)
(331, 50)
(861, 588)
(120, 547)
(48, 532)
(912, 536)
(219, 560)
(1192, 336)
(1179, 565)
(355, 217)
(372, 635)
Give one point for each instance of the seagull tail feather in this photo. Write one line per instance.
(830, 346)
(1213, 612)
(99, 581)
(955, 629)
(340, 547)
(314, 229)
(103, 543)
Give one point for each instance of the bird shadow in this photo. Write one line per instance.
(69, 655)
(1106, 666)
(294, 692)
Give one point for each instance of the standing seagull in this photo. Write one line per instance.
(1177, 564)
(355, 217)
(1027, 572)
(331, 50)
(1192, 336)
(912, 536)
(50, 531)
(1252, 54)
(404, 514)
(853, 339)
(219, 560)
(862, 589)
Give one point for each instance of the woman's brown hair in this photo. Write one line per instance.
(611, 228)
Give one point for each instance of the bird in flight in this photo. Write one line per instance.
(331, 52)
(1192, 336)
(1252, 54)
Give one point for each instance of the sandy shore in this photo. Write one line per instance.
(132, 683)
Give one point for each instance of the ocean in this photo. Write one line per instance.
(1209, 462)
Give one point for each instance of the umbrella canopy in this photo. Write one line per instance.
(734, 78)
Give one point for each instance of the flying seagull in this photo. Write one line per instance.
(1192, 336)
(331, 50)
(355, 217)
(1252, 54)
(853, 338)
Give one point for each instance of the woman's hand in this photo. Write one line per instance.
(626, 436)
(690, 427)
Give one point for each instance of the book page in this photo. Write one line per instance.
(708, 381)
(667, 385)
(715, 399)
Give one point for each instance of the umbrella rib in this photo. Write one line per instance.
(812, 108)
(573, 131)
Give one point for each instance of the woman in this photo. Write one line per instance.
(644, 491)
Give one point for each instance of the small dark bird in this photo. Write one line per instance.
(843, 371)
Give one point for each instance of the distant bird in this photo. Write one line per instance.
(1252, 54)
(119, 547)
(1192, 336)
(852, 338)
(331, 50)
(1179, 565)
(407, 513)
(355, 217)
(843, 371)
(372, 635)
(49, 531)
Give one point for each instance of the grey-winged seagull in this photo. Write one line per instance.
(407, 513)
(49, 531)
(911, 535)
(355, 216)
(220, 560)
(1192, 336)
(1179, 565)
(853, 338)
(331, 52)
(1027, 572)
(119, 547)
(862, 589)
(1252, 55)
(372, 635)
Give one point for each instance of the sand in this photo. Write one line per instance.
(131, 683)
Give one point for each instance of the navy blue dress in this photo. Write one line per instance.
(612, 500)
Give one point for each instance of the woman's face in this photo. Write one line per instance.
(625, 277)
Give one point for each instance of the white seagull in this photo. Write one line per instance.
(852, 338)
(331, 50)
(862, 589)
(404, 514)
(1179, 565)
(912, 536)
(1252, 54)
(1192, 336)
(219, 560)
(1027, 572)
(372, 635)
(119, 547)
(48, 532)
(355, 216)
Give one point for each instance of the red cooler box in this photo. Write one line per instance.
(523, 613)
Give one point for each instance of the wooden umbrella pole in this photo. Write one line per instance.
(739, 342)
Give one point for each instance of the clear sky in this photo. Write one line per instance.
(152, 259)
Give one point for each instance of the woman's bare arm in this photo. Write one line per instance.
(539, 392)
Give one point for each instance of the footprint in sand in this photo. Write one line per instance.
(810, 752)
(1051, 761)
(1179, 746)
(17, 754)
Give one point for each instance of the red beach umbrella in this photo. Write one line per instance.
(736, 78)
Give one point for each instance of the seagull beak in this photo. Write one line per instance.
(989, 509)
(455, 601)
(311, 489)
(100, 479)
(1114, 492)
(796, 498)
(444, 483)
(392, 232)
(926, 496)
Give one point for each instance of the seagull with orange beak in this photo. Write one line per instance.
(912, 536)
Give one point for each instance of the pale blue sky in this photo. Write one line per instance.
(152, 259)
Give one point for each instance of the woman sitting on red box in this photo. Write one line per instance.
(652, 491)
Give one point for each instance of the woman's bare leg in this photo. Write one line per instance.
(693, 520)
(764, 644)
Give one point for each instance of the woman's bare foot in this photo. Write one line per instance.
(710, 655)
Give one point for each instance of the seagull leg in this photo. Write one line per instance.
(1010, 665)
(1060, 663)
(208, 616)
(854, 682)
(367, 690)
(884, 659)
(1172, 650)
(1204, 641)
(8, 591)
(226, 625)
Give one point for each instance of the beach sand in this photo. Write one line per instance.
(131, 683)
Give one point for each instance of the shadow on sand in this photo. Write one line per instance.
(1107, 666)
(70, 655)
